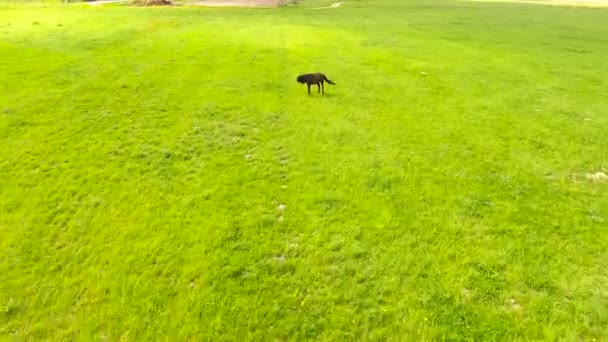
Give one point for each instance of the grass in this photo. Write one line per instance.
(163, 176)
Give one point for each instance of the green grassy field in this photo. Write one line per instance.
(163, 176)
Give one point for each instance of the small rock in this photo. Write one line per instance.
(424, 73)
(281, 219)
(192, 286)
(596, 218)
(514, 304)
(282, 207)
(247, 156)
(596, 177)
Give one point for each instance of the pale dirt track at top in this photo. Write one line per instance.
(211, 3)
(586, 3)
(238, 3)
(276, 3)
(334, 5)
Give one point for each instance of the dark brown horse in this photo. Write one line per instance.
(316, 78)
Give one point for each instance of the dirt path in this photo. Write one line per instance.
(276, 3)
(215, 3)
(588, 3)
(334, 5)
(238, 3)
(100, 2)
(572, 2)
(228, 3)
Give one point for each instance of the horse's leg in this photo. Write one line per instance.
(308, 84)
(318, 88)
(323, 86)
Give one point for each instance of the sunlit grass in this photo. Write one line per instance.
(163, 175)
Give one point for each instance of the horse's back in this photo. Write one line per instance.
(313, 78)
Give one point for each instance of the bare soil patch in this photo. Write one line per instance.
(238, 3)
(584, 3)
(152, 3)
(334, 5)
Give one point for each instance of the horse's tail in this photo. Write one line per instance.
(328, 81)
